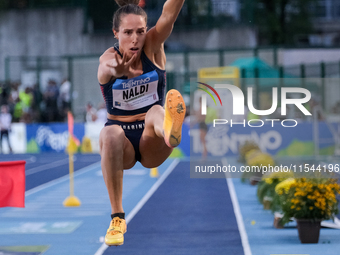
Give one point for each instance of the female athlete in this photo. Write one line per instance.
(132, 80)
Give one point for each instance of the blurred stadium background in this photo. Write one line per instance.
(44, 42)
(55, 39)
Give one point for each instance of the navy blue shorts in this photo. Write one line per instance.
(133, 131)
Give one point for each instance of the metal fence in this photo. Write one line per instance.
(181, 68)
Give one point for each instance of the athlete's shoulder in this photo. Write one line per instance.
(110, 50)
(152, 43)
(155, 54)
(109, 54)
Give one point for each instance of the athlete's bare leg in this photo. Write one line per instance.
(153, 149)
(117, 154)
(163, 130)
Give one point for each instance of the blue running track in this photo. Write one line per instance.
(174, 214)
(184, 216)
(45, 167)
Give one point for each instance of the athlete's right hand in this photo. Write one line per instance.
(120, 66)
(112, 65)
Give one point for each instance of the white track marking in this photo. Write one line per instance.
(237, 211)
(141, 203)
(61, 179)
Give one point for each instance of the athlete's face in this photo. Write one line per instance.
(131, 34)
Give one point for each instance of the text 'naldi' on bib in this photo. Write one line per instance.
(135, 93)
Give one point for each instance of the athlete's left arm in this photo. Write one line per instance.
(157, 35)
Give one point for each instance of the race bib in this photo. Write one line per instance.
(135, 93)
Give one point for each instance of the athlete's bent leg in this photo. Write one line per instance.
(163, 129)
(117, 154)
(152, 145)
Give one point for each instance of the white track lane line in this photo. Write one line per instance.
(62, 179)
(146, 197)
(237, 211)
(47, 166)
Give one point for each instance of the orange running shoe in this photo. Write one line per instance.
(116, 231)
(173, 118)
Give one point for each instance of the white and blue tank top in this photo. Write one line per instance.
(136, 95)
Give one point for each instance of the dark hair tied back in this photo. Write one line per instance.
(121, 3)
(127, 7)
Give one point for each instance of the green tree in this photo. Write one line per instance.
(281, 21)
(4, 4)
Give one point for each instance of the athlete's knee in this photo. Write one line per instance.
(149, 164)
(156, 107)
(154, 110)
(155, 113)
(112, 138)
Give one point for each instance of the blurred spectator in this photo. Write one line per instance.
(14, 102)
(4, 91)
(26, 99)
(65, 98)
(11, 99)
(50, 98)
(201, 120)
(5, 126)
(315, 104)
(91, 113)
(101, 113)
(336, 107)
(14, 94)
(37, 98)
(1, 92)
(17, 110)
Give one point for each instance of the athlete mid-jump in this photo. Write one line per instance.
(133, 82)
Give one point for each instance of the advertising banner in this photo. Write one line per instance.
(50, 137)
(223, 140)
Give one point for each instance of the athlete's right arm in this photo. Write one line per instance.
(111, 66)
(105, 73)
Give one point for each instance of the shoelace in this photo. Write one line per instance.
(116, 222)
